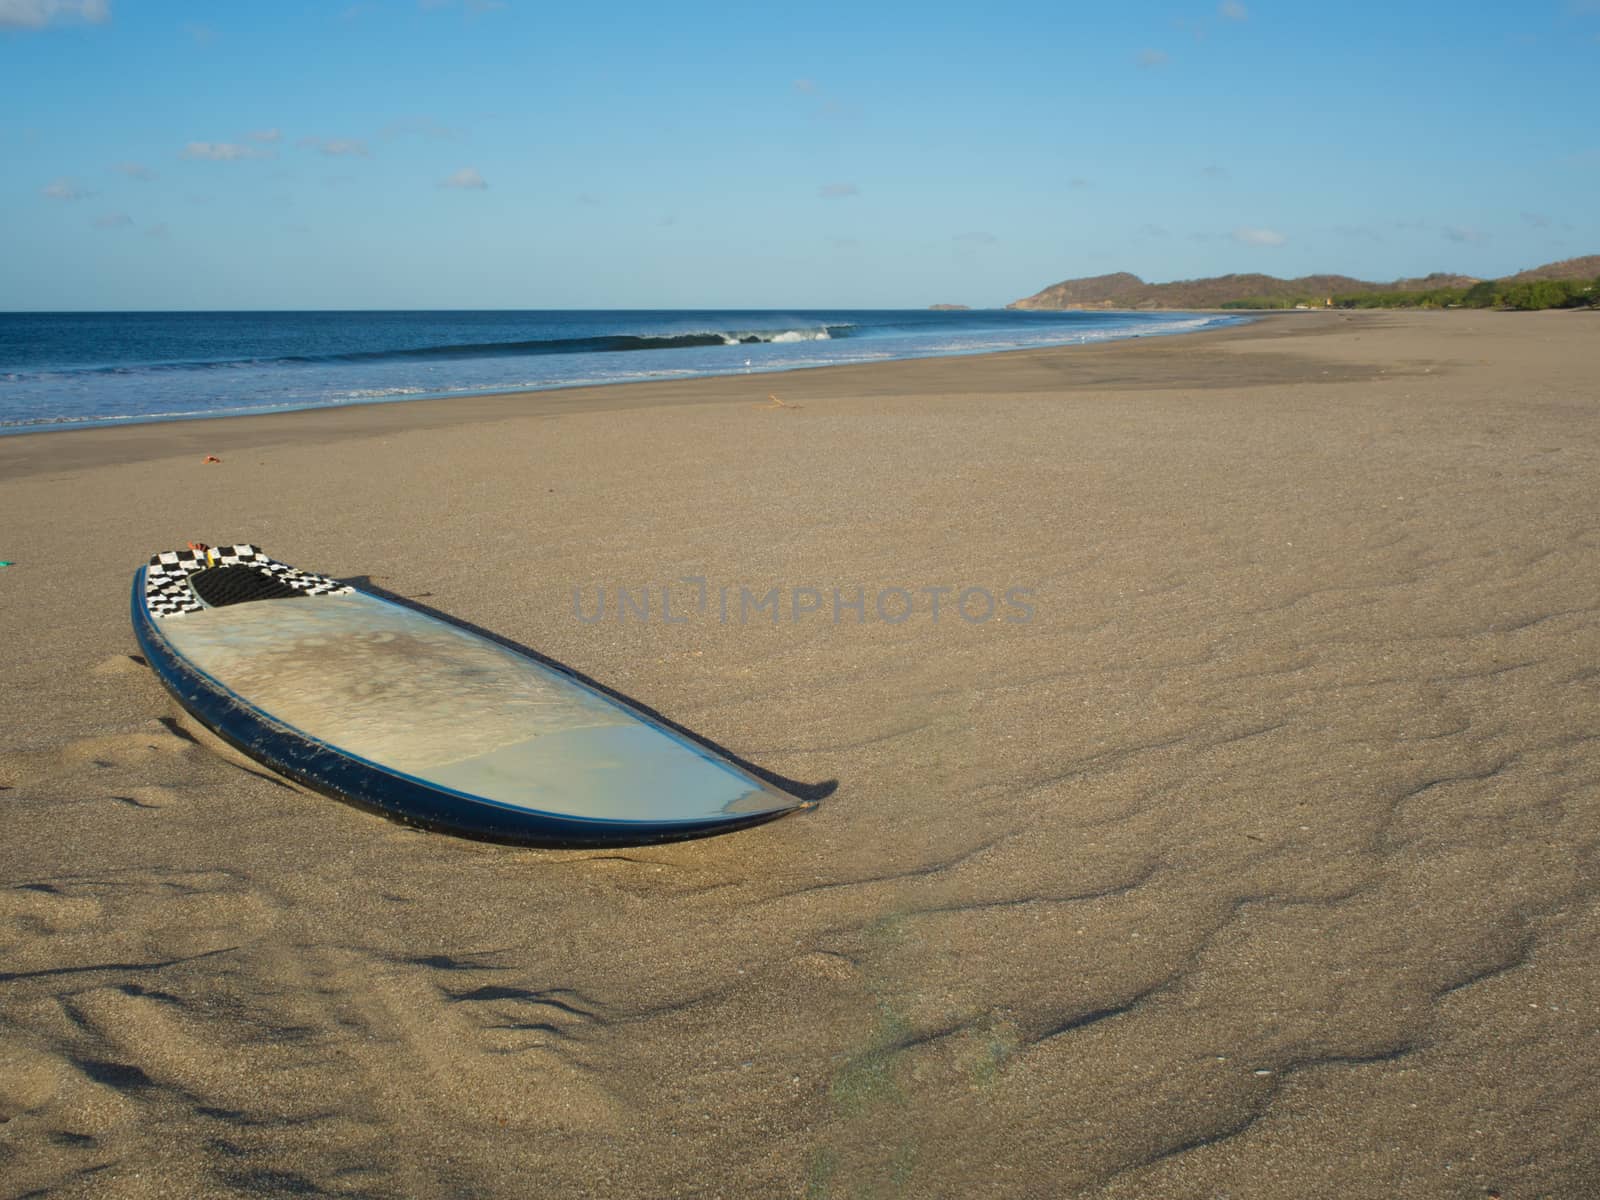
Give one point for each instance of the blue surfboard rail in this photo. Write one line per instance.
(403, 798)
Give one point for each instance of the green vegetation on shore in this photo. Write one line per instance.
(1437, 290)
(1526, 296)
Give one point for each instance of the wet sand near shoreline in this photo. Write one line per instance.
(1260, 861)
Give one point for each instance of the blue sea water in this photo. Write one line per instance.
(64, 370)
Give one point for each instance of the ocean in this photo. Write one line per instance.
(66, 370)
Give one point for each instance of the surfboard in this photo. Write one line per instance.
(421, 720)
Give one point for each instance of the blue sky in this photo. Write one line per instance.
(480, 154)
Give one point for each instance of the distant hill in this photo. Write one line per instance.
(1123, 290)
(1587, 267)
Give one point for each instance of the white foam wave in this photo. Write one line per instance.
(743, 337)
(380, 393)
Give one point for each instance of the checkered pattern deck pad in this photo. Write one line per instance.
(166, 579)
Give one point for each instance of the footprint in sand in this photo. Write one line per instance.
(29, 1078)
(121, 664)
(143, 769)
(42, 909)
(54, 1092)
(152, 796)
(151, 742)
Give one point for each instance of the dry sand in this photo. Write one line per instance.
(1261, 862)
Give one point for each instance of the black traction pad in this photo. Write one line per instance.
(222, 586)
(171, 588)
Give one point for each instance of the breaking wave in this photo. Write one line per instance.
(608, 344)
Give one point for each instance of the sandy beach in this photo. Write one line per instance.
(1247, 850)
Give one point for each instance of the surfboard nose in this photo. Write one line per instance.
(628, 772)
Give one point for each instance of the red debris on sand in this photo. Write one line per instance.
(210, 458)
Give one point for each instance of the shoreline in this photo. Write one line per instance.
(677, 328)
(263, 428)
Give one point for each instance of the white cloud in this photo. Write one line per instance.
(1152, 231)
(1259, 237)
(1233, 10)
(266, 135)
(1153, 58)
(62, 189)
(113, 221)
(338, 147)
(135, 170)
(37, 14)
(835, 191)
(467, 178)
(223, 151)
(1458, 233)
(806, 87)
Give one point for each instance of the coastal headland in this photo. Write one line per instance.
(1258, 860)
(1571, 282)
